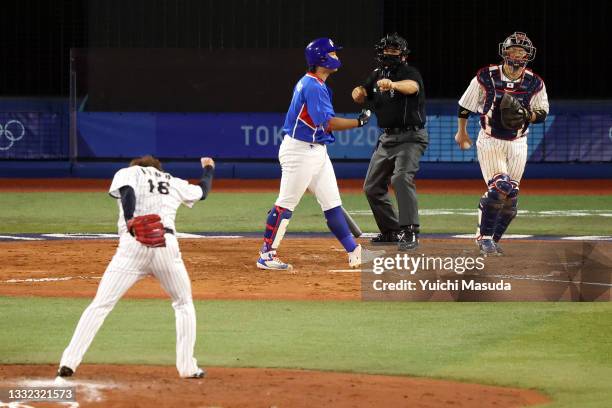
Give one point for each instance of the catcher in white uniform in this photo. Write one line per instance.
(508, 97)
(148, 199)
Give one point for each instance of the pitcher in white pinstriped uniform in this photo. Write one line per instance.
(502, 152)
(145, 190)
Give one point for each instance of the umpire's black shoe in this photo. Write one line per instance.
(388, 237)
(408, 238)
(65, 372)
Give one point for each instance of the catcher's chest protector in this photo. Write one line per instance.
(490, 78)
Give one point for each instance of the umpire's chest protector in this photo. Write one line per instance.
(494, 86)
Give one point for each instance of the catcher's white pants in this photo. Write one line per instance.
(501, 156)
(132, 262)
(306, 166)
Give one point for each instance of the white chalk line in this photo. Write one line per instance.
(182, 235)
(518, 236)
(529, 213)
(86, 236)
(532, 278)
(524, 236)
(21, 238)
(517, 277)
(467, 236)
(589, 238)
(64, 278)
(80, 235)
(196, 236)
(506, 236)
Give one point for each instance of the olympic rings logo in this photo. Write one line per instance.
(13, 131)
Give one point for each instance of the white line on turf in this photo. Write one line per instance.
(184, 235)
(506, 236)
(517, 277)
(531, 278)
(516, 236)
(65, 278)
(528, 213)
(84, 235)
(81, 235)
(589, 238)
(20, 238)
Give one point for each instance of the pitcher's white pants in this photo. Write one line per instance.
(132, 262)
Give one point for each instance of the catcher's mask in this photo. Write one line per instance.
(521, 40)
(391, 42)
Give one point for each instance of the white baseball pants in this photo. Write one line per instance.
(501, 156)
(306, 166)
(132, 262)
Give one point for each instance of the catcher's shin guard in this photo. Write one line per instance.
(506, 215)
(509, 210)
(276, 226)
(489, 209)
(497, 207)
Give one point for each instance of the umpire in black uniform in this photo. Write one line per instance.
(394, 91)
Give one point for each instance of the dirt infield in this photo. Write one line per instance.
(73, 269)
(528, 186)
(152, 386)
(537, 270)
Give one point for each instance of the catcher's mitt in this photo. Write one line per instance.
(148, 230)
(513, 114)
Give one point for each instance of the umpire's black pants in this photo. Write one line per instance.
(395, 162)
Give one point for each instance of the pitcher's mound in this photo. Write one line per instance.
(155, 386)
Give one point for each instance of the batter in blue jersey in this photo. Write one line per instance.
(304, 160)
(310, 111)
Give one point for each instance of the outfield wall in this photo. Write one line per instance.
(575, 142)
(271, 170)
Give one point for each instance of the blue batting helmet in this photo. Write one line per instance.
(317, 53)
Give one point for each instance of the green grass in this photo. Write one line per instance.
(242, 212)
(562, 349)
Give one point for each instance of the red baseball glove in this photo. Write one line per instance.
(148, 230)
